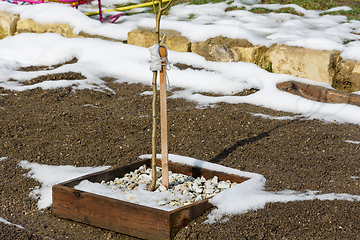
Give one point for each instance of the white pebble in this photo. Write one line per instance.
(198, 198)
(145, 177)
(185, 192)
(174, 203)
(223, 185)
(162, 188)
(199, 190)
(190, 195)
(192, 189)
(209, 191)
(215, 180)
(197, 181)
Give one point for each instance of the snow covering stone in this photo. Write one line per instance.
(191, 189)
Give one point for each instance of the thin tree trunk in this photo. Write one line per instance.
(153, 157)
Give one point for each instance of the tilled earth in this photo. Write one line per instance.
(90, 128)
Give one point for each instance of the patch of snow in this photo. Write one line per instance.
(249, 195)
(51, 175)
(9, 223)
(351, 141)
(272, 117)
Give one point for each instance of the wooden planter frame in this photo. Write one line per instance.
(126, 217)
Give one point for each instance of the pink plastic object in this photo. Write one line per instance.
(113, 17)
(73, 3)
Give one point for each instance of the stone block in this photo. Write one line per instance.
(219, 48)
(88, 35)
(347, 78)
(7, 24)
(178, 43)
(141, 38)
(317, 65)
(147, 38)
(29, 25)
(253, 54)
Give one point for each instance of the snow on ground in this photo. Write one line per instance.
(247, 196)
(130, 64)
(312, 30)
(7, 222)
(49, 175)
(350, 141)
(272, 117)
(98, 58)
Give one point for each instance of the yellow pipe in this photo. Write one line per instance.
(125, 8)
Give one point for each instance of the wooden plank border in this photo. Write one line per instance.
(125, 217)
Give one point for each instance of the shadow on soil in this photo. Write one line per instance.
(226, 152)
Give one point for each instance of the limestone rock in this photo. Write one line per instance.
(7, 24)
(219, 48)
(87, 35)
(141, 38)
(179, 44)
(147, 38)
(318, 65)
(251, 54)
(29, 25)
(348, 77)
(313, 64)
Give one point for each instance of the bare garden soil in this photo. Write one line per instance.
(91, 128)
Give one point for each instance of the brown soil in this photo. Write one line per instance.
(89, 128)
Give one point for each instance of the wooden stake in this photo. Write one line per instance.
(163, 108)
(163, 120)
